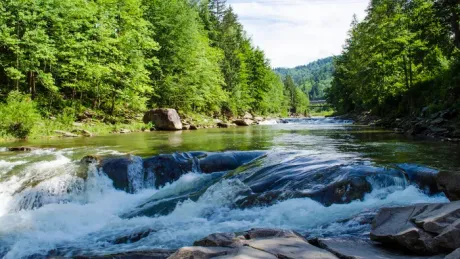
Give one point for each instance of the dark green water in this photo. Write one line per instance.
(378, 145)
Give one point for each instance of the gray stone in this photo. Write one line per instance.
(449, 183)
(355, 248)
(454, 255)
(248, 116)
(247, 252)
(219, 239)
(291, 247)
(244, 122)
(163, 119)
(199, 252)
(422, 229)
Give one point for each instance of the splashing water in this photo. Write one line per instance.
(50, 201)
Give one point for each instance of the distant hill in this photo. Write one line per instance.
(312, 78)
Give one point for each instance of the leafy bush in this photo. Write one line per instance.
(18, 116)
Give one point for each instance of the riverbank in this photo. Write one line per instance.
(441, 125)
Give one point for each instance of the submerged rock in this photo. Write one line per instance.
(422, 229)
(133, 173)
(22, 149)
(163, 119)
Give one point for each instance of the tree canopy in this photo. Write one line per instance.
(402, 57)
(124, 56)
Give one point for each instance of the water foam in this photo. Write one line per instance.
(79, 216)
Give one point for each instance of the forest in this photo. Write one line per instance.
(313, 79)
(402, 58)
(117, 58)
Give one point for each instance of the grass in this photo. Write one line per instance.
(46, 128)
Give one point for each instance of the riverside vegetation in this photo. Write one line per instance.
(402, 60)
(106, 61)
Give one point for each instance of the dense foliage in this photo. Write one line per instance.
(402, 57)
(119, 57)
(313, 78)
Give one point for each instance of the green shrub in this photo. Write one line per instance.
(18, 116)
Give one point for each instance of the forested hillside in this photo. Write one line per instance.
(119, 57)
(404, 56)
(313, 78)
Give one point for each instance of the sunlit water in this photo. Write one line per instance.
(51, 203)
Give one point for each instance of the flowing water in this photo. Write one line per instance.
(51, 203)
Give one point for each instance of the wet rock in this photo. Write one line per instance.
(22, 149)
(82, 132)
(454, 255)
(225, 125)
(355, 248)
(199, 252)
(243, 122)
(91, 159)
(185, 127)
(449, 183)
(423, 177)
(422, 229)
(66, 134)
(151, 254)
(193, 127)
(163, 119)
(133, 237)
(219, 239)
(122, 171)
(219, 162)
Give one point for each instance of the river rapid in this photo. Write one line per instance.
(321, 177)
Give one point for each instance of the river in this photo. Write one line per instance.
(52, 204)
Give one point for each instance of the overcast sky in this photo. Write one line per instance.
(296, 32)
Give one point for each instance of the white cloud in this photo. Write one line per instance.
(295, 32)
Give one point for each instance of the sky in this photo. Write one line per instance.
(296, 32)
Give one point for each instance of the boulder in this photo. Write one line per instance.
(449, 183)
(422, 229)
(262, 243)
(355, 248)
(421, 176)
(453, 255)
(124, 131)
(248, 116)
(219, 239)
(193, 127)
(185, 127)
(163, 119)
(243, 122)
(82, 132)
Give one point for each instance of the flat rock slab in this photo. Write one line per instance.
(355, 248)
(252, 244)
(291, 248)
(422, 229)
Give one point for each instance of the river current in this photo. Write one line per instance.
(51, 203)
